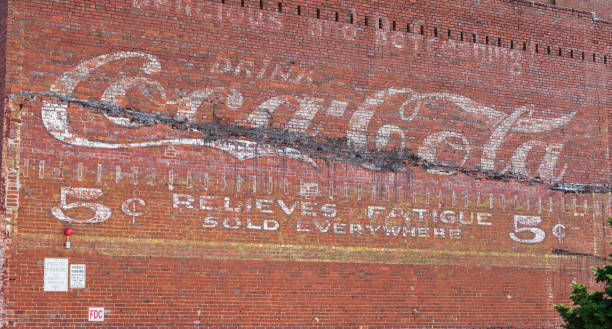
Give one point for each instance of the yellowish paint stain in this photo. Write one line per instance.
(135, 247)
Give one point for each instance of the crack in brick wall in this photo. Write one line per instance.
(327, 149)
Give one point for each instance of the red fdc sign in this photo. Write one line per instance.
(96, 314)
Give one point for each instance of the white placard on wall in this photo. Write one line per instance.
(77, 276)
(56, 274)
(96, 314)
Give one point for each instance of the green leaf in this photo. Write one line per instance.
(592, 310)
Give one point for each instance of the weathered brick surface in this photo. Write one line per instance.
(264, 164)
(601, 9)
(3, 14)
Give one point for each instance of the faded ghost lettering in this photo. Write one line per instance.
(214, 12)
(55, 115)
(101, 212)
(267, 214)
(526, 230)
(235, 223)
(257, 205)
(414, 44)
(546, 168)
(263, 69)
(364, 133)
(429, 149)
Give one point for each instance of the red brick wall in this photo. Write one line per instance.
(602, 9)
(3, 24)
(3, 15)
(227, 165)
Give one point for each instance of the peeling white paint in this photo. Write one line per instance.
(55, 118)
(521, 120)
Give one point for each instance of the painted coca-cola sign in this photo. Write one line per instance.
(524, 141)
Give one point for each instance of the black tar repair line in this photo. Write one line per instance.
(328, 149)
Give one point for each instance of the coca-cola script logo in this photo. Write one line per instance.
(494, 125)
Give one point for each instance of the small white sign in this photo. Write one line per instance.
(56, 274)
(96, 314)
(77, 276)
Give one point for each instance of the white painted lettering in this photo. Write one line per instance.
(210, 222)
(307, 208)
(481, 217)
(339, 228)
(204, 200)
(329, 210)
(263, 205)
(374, 211)
(182, 199)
